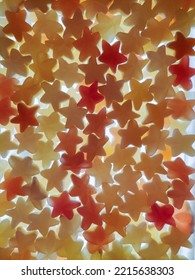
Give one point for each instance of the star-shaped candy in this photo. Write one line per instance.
(158, 31)
(82, 188)
(28, 140)
(31, 5)
(75, 162)
(90, 213)
(122, 112)
(155, 139)
(97, 123)
(107, 26)
(69, 227)
(68, 141)
(121, 157)
(181, 107)
(183, 73)
(5, 44)
(87, 44)
(16, 24)
(7, 86)
(150, 165)
(50, 125)
(140, 92)
(133, 67)
(76, 25)
(90, 96)
(61, 46)
(5, 204)
(6, 232)
(182, 45)
(53, 94)
(16, 63)
(54, 175)
(98, 239)
(67, 7)
(178, 169)
(25, 117)
(154, 251)
(109, 196)
(93, 7)
(153, 113)
(71, 249)
(159, 60)
(23, 167)
(181, 143)
(132, 41)
(157, 190)
(13, 187)
(116, 222)
(68, 73)
(26, 92)
(94, 147)
(180, 192)
(93, 71)
(112, 90)
(42, 221)
(132, 135)
(111, 55)
(161, 215)
(127, 180)
(6, 111)
(74, 114)
(122, 5)
(23, 240)
(63, 205)
(6, 144)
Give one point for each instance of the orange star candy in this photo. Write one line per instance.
(111, 55)
(75, 162)
(61, 46)
(90, 213)
(90, 96)
(87, 44)
(182, 45)
(68, 141)
(93, 7)
(63, 205)
(178, 169)
(25, 117)
(132, 135)
(67, 7)
(82, 188)
(13, 187)
(150, 165)
(6, 111)
(98, 240)
(6, 87)
(32, 5)
(16, 24)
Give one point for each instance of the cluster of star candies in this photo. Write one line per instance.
(95, 141)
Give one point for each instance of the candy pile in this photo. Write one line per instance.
(96, 129)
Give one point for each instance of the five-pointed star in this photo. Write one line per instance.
(132, 135)
(133, 67)
(121, 157)
(5, 44)
(153, 113)
(150, 165)
(93, 71)
(28, 140)
(140, 92)
(76, 25)
(158, 31)
(5, 204)
(13, 187)
(5, 143)
(132, 41)
(23, 167)
(67, 7)
(112, 90)
(107, 26)
(54, 176)
(93, 7)
(53, 95)
(74, 114)
(71, 249)
(127, 180)
(41, 221)
(182, 45)
(123, 5)
(159, 60)
(122, 112)
(116, 222)
(30, 5)
(6, 111)
(109, 196)
(156, 190)
(16, 63)
(181, 143)
(68, 73)
(154, 251)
